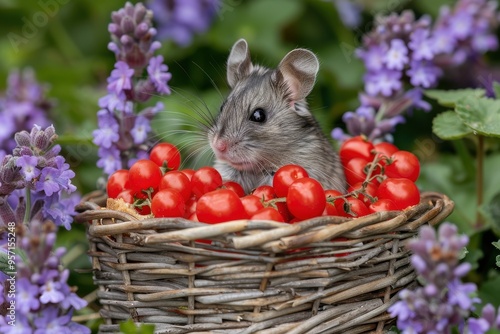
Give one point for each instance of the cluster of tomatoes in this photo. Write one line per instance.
(380, 177)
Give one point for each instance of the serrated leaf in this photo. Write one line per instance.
(449, 126)
(496, 244)
(449, 98)
(482, 115)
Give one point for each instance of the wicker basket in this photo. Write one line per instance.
(323, 275)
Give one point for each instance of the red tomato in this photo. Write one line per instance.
(188, 172)
(190, 207)
(129, 197)
(354, 205)
(117, 182)
(383, 204)
(219, 206)
(285, 176)
(234, 186)
(168, 203)
(371, 190)
(356, 147)
(178, 181)
(284, 212)
(401, 191)
(166, 155)
(403, 164)
(144, 174)
(330, 207)
(355, 170)
(264, 192)
(204, 180)
(268, 214)
(251, 204)
(385, 149)
(306, 198)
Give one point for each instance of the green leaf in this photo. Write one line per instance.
(490, 211)
(482, 115)
(449, 98)
(129, 327)
(473, 256)
(496, 89)
(442, 176)
(489, 291)
(449, 126)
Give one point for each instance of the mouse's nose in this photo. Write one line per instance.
(221, 145)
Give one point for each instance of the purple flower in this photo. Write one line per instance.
(140, 130)
(423, 74)
(23, 105)
(397, 56)
(50, 322)
(121, 78)
(107, 133)
(442, 41)
(373, 57)
(48, 181)
(27, 296)
(158, 74)
(349, 12)
(22, 325)
(50, 293)
(109, 160)
(28, 167)
(461, 25)
(179, 20)
(113, 102)
(444, 301)
(477, 326)
(385, 82)
(123, 125)
(61, 210)
(421, 45)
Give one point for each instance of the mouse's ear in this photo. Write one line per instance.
(239, 64)
(299, 69)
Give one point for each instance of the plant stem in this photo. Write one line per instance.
(27, 212)
(465, 158)
(479, 179)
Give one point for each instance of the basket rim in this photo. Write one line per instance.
(271, 235)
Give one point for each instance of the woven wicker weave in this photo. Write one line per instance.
(323, 275)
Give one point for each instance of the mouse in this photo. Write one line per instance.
(265, 123)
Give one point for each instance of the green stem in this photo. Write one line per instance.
(465, 158)
(27, 212)
(380, 113)
(479, 179)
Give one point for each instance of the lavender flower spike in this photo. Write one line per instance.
(444, 301)
(124, 130)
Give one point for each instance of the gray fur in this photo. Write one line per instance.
(290, 135)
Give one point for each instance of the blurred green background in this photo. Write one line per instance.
(69, 52)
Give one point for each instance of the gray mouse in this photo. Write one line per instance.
(265, 122)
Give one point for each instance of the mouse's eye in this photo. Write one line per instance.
(258, 115)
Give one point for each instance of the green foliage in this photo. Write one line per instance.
(449, 98)
(448, 125)
(497, 245)
(129, 327)
(482, 115)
